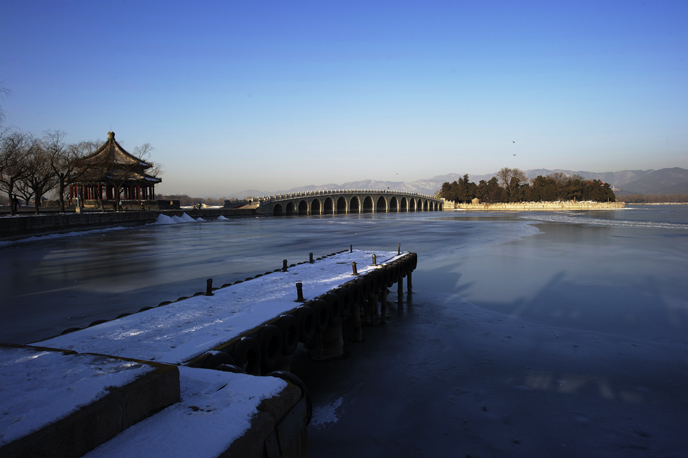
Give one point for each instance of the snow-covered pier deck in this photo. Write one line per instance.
(243, 330)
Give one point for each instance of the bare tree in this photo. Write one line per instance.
(39, 177)
(14, 149)
(81, 171)
(511, 178)
(560, 179)
(143, 152)
(62, 160)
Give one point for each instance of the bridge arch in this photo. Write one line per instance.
(355, 205)
(393, 204)
(368, 205)
(403, 207)
(303, 208)
(278, 210)
(341, 205)
(328, 206)
(381, 206)
(316, 208)
(291, 209)
(425, 205)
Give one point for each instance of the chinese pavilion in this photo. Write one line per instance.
(111, 173)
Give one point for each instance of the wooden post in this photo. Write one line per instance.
(299, 292)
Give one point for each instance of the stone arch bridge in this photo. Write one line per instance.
(346, 201)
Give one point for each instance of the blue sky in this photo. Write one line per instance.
(273, 95)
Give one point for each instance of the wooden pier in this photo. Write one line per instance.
(227, 350)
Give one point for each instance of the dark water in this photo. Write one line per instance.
(528, 334)
(50, 284)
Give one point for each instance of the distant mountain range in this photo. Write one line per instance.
(658, 182)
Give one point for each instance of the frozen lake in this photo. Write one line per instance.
(548, 334)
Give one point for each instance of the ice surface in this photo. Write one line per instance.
(525, 336)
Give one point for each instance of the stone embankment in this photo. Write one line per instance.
(24, 224)
(540, 206)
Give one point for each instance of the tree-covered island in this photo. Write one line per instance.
(512, 185)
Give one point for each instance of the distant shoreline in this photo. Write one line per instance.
(539, 206)
(656, 203)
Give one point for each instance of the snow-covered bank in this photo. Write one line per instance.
(38, 388)
(216, 408)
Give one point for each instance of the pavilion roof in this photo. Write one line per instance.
(112, 154)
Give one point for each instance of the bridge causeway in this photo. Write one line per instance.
(331, 202)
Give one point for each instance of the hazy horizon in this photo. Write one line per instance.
(277, 96)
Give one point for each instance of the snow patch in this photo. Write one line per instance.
(164, 219)
(324, 415)
(38, 388)
(215, 409)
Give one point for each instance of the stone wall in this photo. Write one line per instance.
(24, 225)
(540, 206)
